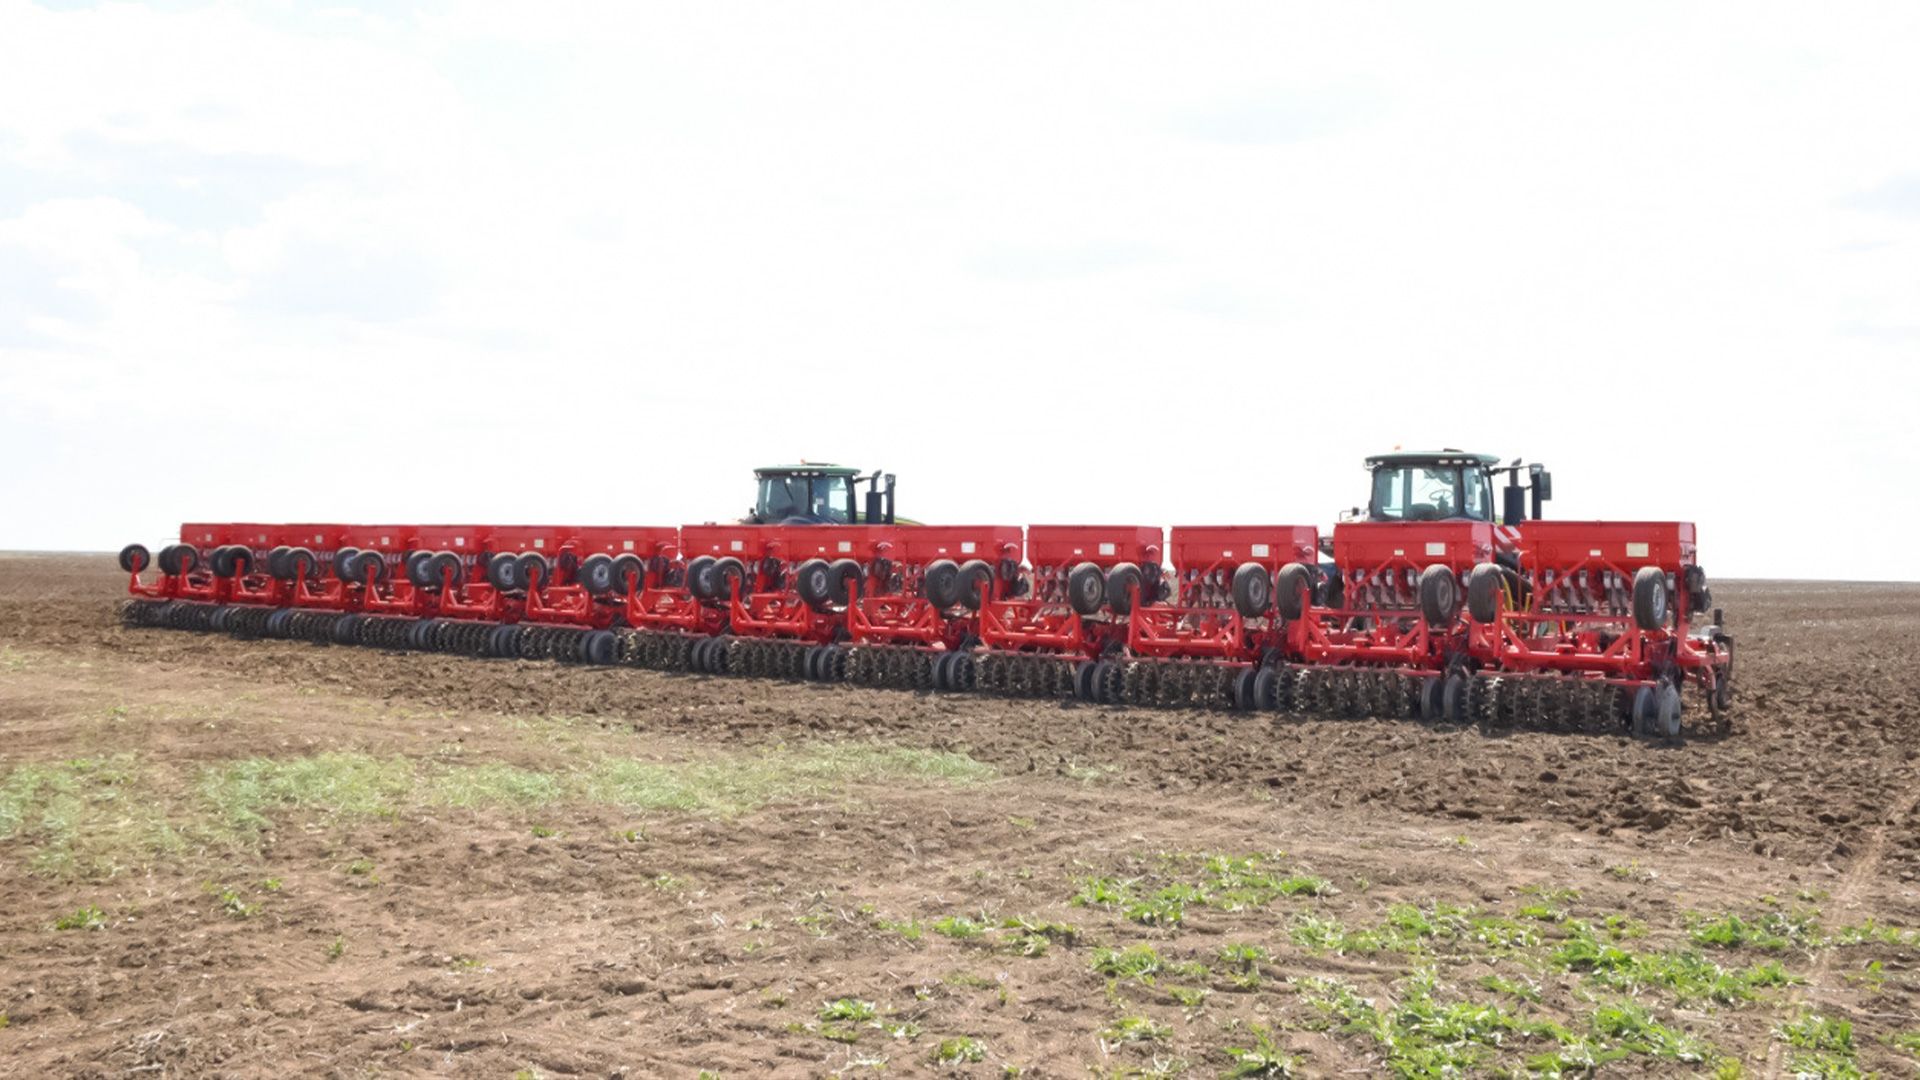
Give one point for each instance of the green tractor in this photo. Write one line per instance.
(822, 494)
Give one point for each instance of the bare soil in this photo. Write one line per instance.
(568, 935)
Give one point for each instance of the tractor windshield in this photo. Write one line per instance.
(1430, 493)
(821, 498)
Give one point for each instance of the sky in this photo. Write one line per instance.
(1106, 262)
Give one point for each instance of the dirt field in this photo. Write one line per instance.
(259, 858)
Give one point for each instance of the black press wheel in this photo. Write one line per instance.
(418, 566)
(1453, 698)
(599, 646)
(343, 562)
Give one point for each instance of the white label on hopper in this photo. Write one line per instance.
(966, 547)
(540, 542)
(626, 545)
(459, 541)
(846, 545)
(1259, 551)
(1595, 553)
(386, 542)
(737, 545)
(1106, 549)
(1399, 551)
(1436, 547)
(1636, 551)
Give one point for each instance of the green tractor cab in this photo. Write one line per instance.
(1442, 485)
(822, 494)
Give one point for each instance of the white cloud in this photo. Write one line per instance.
(1073, 261)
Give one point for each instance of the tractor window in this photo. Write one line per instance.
(1429, 493)
(822, 498)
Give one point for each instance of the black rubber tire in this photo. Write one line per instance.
(974, 574)
(343, 562)
(841, 575)
(416, 567)
(1243, 698)
(1292, 590)
(599, 646)
(504, 573)
(595, 574)
(700, 577)
(369, 568)
(1122, 582)
(729, 573)
(303, 563)
(1430, 700)
(178, 559)
(1650, 598)
(627, 566)
(535, 570)
(1264, 696)
(1485, 587)
(221, 561)
(346, 629)
(941, 584)
(277, 622)
(502, 642)
(277, 563)
(445, 563)
(814, 582)
(1083, 680)
(135, 558)
(1453, 698)
(1252, 590)
(1439, 597)
(1087, 589)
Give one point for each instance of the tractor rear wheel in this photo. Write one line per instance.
(1252, 590)
(1439, 596)
(1650, 598)
(1086, 588)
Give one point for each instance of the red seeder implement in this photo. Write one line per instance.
(1427, 607)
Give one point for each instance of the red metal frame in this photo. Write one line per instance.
(1203, 622)
(1575, 615)
(1043, 621)
(1379, 621)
